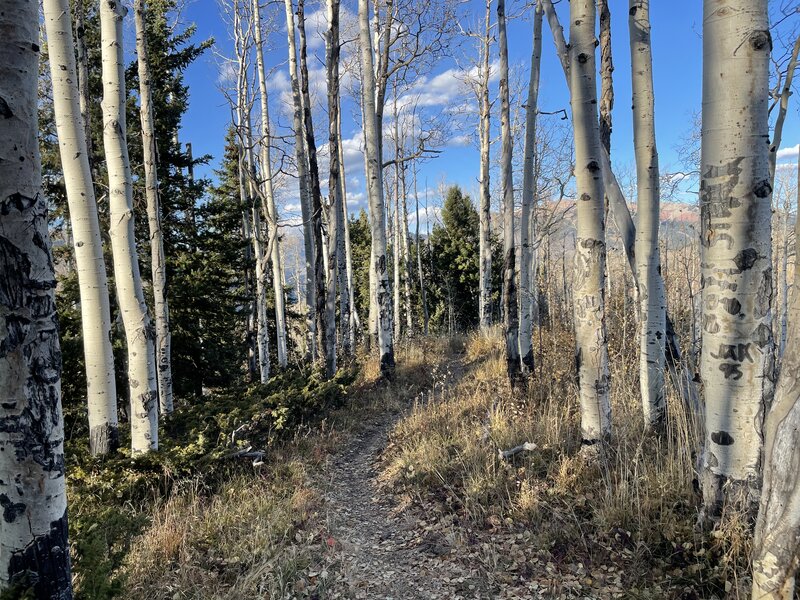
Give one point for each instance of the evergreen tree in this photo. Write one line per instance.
(361, 243)
(455, 278)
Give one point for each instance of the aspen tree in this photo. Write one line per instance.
(158, 261)
(606, 74)
(590, 250)
(510, 315)
(135, 318)
(348, 329)
(527, 283)
(101, 389)
(618, 208)
(34, 552)
(420, 274)
(315, 192)
(336, 267)
(407, 267)
(301, 160)
(485, 268)
(248, 193)
(395, 201)
(83, 73)
(735, 202)
(270, 214)
(652, 304)
(777, 535)
(374, 172)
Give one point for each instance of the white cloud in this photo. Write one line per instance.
(459, 140)
(450, 86)
(792, 152)
(789, 166)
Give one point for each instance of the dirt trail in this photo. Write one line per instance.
(382, 551)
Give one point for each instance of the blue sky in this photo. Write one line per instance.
(677, 51)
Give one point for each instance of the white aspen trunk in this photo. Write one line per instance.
(526, 289)
(259, 253)
(374, 174)
(87, 242)
(777, 534)
(301, 158)
(407, 267)
(83, 74)
(737, 346)
(349, 333)
(315, 192)
(248, 193)
(683, 381)
(421, 276)
(485, 268)
(652, 303)
(606, 75)
(396, 251)
(135, 318)
(34, 551)
(158, 261)
(606, 106)
(252, 360)
(271, 213)
(510, 314)
(396, 243)
(590, 249)
(337, 270)
(371, 338)
(784, 306)
(262, 333)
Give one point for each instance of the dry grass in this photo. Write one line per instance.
(635, 507)
(257, 534)
(248, 539)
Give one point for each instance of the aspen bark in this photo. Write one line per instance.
(83, 74)
(407, 267)
(735, 190)
(606, 74)
(259, 252)
(348, 330)
(301, 158)
(485, 268)
(784, 281)
(249, 196)
(422, 291)
(396, 243)
(158, 261)
(135, 318)
(777, 535)
(34, 552)
(271, 213)
(87, 242)
(315, 192)
(652, 304)
(337, 270)
(510, 314)
(590, 250)
(683, 381)
(527, 217)
(374, 174)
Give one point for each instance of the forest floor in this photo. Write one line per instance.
(400, 493)
(381, 545)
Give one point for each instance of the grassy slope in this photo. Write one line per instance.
(550, 520)
(191, 523)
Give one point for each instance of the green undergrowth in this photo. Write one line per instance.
(114, 499)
